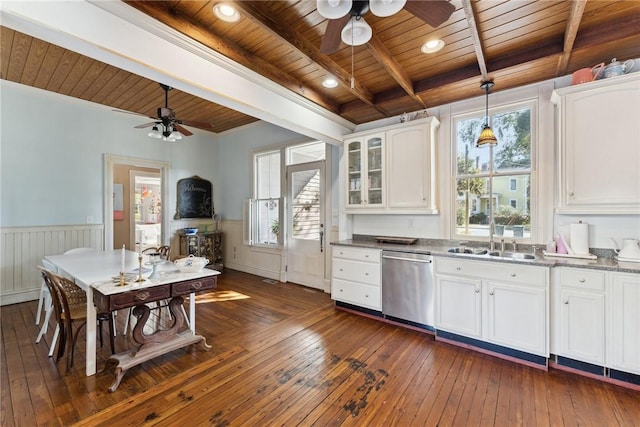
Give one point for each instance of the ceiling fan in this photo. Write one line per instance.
(166, 125)
(346, 20)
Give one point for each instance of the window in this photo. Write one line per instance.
(264, 210)
(507, 167)
(264, 213)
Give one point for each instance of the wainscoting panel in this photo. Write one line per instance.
(22, 249)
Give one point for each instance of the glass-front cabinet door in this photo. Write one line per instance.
(365, 171)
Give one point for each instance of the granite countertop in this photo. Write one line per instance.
(441, 247)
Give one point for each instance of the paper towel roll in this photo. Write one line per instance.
(579, 237)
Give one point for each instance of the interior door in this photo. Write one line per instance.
(305, 224)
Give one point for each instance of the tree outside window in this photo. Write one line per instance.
(511, 169)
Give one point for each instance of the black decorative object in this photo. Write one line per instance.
(195, 198)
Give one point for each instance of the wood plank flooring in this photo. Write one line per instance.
(282, 355)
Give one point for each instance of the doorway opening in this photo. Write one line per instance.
(146, 216)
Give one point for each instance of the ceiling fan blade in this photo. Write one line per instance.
(332, 38)
(200, 125)
(146, 125)
(434, 12)
(183, 130)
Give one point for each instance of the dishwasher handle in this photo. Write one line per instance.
(424, 261)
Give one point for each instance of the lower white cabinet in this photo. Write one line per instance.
(624, 319)
(356, 276)
(579, 313)
(500, 303)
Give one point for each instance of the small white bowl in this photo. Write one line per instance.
(191, 264)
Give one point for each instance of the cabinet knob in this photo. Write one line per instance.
(366, 274)
(477, 291)
(571, 193)
(366, 256)
(565, 302)
(458, 268)
(490, 292)
(582, 280)
(366, 295)
(340, 269)
(341, 290)
(513, 274)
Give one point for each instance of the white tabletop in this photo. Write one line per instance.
(96, 269)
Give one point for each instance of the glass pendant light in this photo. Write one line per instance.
(154, 132)
(486, 136)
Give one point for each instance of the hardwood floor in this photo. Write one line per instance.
(282, 355)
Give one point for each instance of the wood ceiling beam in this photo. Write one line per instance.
(384, 57)
(163, 12)
(570, 33)
(587, 39)
(252, 10)
(470, 14)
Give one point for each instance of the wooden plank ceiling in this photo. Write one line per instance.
(513, 42)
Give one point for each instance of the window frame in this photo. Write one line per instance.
(535, 199)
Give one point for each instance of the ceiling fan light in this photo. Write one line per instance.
(154, 133)
(226, 12)
(333, 9)
(384, 8)
(432, 46)
(356, 32)
(175, 135)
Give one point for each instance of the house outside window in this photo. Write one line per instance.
(511, 172)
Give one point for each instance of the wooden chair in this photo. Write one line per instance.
(70, 307)
(163, 251)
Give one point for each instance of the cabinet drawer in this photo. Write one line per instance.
(357, 271)
(198, 285)
(581, 278)
(357, 254)
(140, 296)
(497, 271)
(356, 293)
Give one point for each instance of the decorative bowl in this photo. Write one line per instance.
(189, 231)
(191, 264)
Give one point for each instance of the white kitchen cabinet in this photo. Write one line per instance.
(411, 167)
(500, 303)
(623, 336)
(579, 314)
(365, 171)
(392, 169)
(458, 302)
(599, 119)
(517, 316)
(356, 276)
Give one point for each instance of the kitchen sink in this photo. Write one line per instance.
(512, 255)
(471, 251)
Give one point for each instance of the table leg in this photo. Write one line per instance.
(192, 312)
(91, 334)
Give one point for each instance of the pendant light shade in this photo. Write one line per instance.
(356, 32)
(154, 132)
(384, 8)
(487, 136)
(333, 9)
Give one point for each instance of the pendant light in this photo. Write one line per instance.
(486, 136)
(357, 32)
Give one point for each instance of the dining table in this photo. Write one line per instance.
(98, 274)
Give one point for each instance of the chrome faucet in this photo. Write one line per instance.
(492, 244)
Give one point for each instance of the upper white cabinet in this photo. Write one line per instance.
(392, 169)
(599, 146)
(365, 171)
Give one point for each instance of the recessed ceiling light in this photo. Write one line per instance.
(330, 82)
(432, 46)
(226, 12)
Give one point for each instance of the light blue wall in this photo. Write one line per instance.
(51, 156)
(234, 166)
(52, 147)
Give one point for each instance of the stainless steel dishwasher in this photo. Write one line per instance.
(407, 287)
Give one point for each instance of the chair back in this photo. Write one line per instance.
(48, 265)
(165, 252)
(48, 278)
